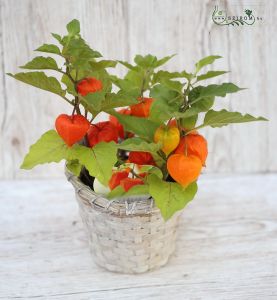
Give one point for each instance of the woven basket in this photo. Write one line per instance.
(126, 235)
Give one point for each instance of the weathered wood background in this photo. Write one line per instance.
(121, 28)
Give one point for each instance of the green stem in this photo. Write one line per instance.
(187, 89)
(131, 170)
(162, 155)
(164, 171)
(143, 83)
(77, 102)
(92, 118)
(137, 175)
(68, 75)
(67, 100)
(196, 128)
(186, 102)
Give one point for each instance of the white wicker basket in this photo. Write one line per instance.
(126, 235)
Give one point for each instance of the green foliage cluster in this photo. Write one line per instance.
(178, 95)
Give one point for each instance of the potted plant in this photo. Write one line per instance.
(134, 172)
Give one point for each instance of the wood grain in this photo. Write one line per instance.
(122, 28)
(226, 248)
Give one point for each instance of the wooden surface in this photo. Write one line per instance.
(227, 245)
(122, 28)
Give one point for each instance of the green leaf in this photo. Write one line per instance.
(220, 90)
(94, 100)
(49, 48)
(41, 81)
(147, 61)
(138, 144)
(190, 122)
(137, 78)
(120, 99)
(102, 64)
(186, 75)
(119, 192)
(142, 189)
(173, 85)
(170, 196)
(57, 37)
(49, 148)
(73, 27)
(70, 88)
(116, 192)
(162, 111)
(74, 167)
(132, 87)
(204, 105)
(99, 160)
(163, 92)
(40, 63)
(79, 54)
(165, 75)
(206, 101)
(127, 65)
(142, 127)
(166, 103)
(151, 170)
(192, 111)
(210, 74)
(205, 61)
(163, 60)
(104, 76)
(223, 117)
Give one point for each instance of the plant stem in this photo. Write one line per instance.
(185, 95)
(67, 100)
(164, 171)
(74, 108)
(161, 154)
(92, 118)
(196, 128)
(77, 108)
(77, 100)
(68, 71)
(131, 170)
(136, 175)
(143, 83)
(68, 75)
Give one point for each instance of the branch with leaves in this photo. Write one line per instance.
(150, 143)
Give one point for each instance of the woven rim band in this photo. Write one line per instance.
(128, 206)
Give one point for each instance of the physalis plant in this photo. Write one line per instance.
(150, 143)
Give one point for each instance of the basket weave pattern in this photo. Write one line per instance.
(126, 235)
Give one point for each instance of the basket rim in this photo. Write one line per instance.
(132, 205)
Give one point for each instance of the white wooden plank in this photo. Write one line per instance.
(29, 111)
(226, 247)
(269, 82)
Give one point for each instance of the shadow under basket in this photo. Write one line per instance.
(126, 235)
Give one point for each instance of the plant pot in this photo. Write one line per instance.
(126, 235)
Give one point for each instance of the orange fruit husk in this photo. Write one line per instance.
(193, 144)
(184, 169)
